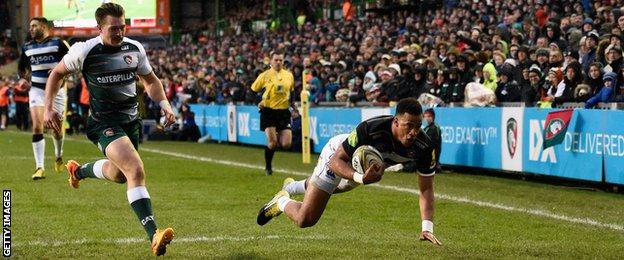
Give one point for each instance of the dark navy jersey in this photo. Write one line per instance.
(377, 132)
(40, 58)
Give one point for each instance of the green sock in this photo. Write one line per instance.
(142, 206)
(86, 171)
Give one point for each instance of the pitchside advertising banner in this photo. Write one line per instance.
(326, 123)
(510, 139)
(578, 157)
(470, 137)
(612, 136)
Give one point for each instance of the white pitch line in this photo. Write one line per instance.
(135, 240)
(465, 200)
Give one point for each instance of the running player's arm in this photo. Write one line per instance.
(23, 70)
(154, 87)
(156, 91)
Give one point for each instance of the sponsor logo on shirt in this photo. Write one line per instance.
(115, 78)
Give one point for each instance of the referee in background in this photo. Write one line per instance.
(278, 84)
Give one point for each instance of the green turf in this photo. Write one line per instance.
(216, 204)
(59, 10)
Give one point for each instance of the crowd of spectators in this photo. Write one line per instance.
(8, 46)
(539, 52)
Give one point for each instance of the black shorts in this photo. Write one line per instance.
(4, 110)
(278, 118)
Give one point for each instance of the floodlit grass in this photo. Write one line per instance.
(212, 206)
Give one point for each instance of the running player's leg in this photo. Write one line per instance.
(38, 142)
(299, 187)
(269, 151)
(285, 138)
(100, 169)
(60, 103)
(123, 156)
(296, 187)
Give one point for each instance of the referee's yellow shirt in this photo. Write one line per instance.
(278, 86)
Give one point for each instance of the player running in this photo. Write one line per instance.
(39, 57)
(109, 64)
(398, 138)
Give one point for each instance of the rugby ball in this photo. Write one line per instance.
(365, 156)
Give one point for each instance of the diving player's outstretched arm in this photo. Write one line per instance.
(426, 173)
(425, 184)
(52, 119)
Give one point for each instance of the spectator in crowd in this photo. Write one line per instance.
(614, 58)
(606, 93)
(22, 111)
(433, 131)
(591, 41)
(594, 78)
(508, 89)
(489, 76)
(530, 91)
(555, 87)
(189, 131)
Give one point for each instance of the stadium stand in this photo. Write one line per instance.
(387, 52)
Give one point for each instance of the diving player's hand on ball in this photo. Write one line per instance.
(428, 236)
(373, 173)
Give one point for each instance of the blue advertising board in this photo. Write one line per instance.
(470, 136)
(211, 120)
(326, 123)
(248, 126)
(578, 157)
(612, 136)
(495, 138)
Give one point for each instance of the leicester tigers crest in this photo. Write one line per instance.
(127, 59)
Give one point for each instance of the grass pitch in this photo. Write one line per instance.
(212, 206)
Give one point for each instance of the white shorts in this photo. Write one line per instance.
(37, 99)
(323, 178)
(326, 180)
